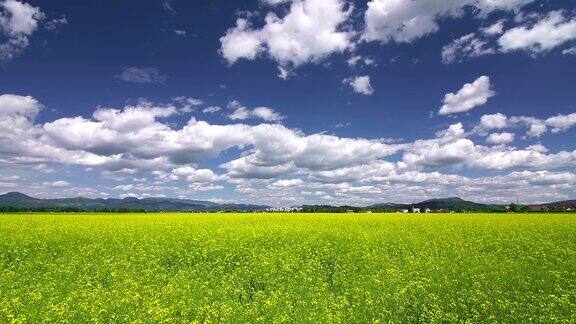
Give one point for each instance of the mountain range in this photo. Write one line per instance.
(20, 200)
(452, 203)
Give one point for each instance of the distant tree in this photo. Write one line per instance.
(516, 208)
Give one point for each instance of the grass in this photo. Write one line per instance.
(287, 268)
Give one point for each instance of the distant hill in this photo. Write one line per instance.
(452, 203)
(558, 205)
(20, 200)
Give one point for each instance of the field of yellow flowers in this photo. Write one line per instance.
(287, 268)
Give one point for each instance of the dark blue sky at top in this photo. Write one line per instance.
(72, 71)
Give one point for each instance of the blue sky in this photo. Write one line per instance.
(289, 102)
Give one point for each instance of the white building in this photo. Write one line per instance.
(416, 210)
(284, 209)
(405, 211)
(427, 210)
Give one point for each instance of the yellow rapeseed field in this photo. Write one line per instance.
(287, 268)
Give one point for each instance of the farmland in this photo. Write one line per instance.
(287, 267)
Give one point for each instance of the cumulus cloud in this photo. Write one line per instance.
(500, 138)
(561, 123)
(283, 151)
(239, 112)
(537, 36)
(497, 120)
(470, 96)
(448, 149)
(267, 114)
(141, 75)
(552, 31)
(18, 20)
(15, 105)
(310, 31)
(406, 21)
(240, 42)
(134, 138)
(536, 127)
(266, 162)
(451, 148)
(285, 183)
(361, 85)
(194, 175)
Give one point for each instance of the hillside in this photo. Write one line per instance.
(20, 200)
(452, 203)
(558, 205)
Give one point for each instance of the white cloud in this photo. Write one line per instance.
(188, 103)
(526, 158)
(432, 153)
(569, 51)
(132, 118)
(240, 42)
(18, 20)
(127, 187)
(194, 175)
(239, 112)
(538, 148)
(497, 120)
(471, 95)
(286, 183)
(538, 35)
(500, 138)
(543, 178)
(361, 85)
(56, 23)
(56, 184)
(167, 6)
(536, 126)
(466, 46)
(406, 21)
(267, 114)
(134, 139)
(19, 105)
(211, 109)
(141, 75)
(496, 28)
(452, 148)
(309, 32)
(270, 162)
(561, 123)
(274, 2)
(548, 33)
(5, 185)
(280, 151)
(284, 73)
(9, 178)
(358, 60)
